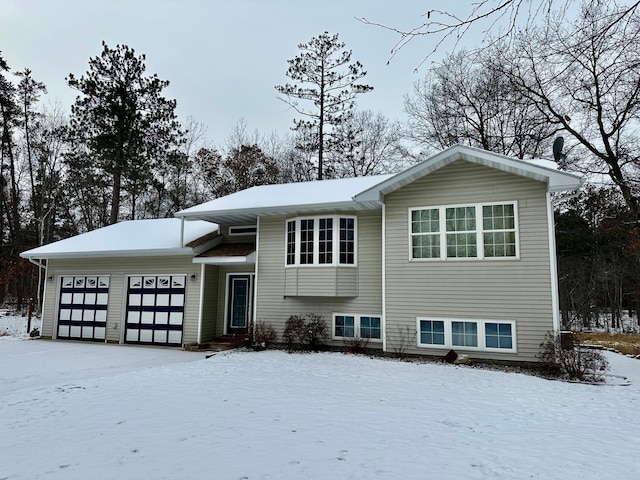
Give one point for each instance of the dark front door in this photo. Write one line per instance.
(239, 303)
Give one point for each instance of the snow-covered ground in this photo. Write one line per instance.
(94, 411)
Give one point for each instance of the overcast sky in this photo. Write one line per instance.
(222, 57)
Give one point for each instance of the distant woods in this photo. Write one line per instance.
(120, 152)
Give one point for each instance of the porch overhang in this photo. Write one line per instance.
(228, 254)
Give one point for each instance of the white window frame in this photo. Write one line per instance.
(335, 241)
(448, 337)
(356, 325)
(479, 231)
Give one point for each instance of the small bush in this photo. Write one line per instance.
(576, 363)
(356, 344)
(263, 335)
(400, 339)
(305, 332)
(34, 333)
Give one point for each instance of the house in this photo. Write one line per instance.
(456, 252)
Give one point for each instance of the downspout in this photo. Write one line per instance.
(181, 232)
(201, 306)
(384, 280)
(255, 278)
(553, 266)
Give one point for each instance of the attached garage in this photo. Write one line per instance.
(155, 309)
(82, 307)
(133, 282)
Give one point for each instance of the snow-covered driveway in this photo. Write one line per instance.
(78, 411)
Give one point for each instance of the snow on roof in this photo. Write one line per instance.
(364, 192)
(129, 238)
(284, 198)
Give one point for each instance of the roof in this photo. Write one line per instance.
(228, 254)
(362, 193)
(132, 238)
(320, 195)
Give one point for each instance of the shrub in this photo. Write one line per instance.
(263, 335)
(34, 333)
(574, 362)
(401, 339)
(356, 344)
(305, 332)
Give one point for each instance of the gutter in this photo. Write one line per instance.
(37, 263)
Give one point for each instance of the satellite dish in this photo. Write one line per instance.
(559, 157)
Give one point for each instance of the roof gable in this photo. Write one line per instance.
(539, 170)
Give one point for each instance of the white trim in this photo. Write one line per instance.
(481, 323)
(356, 325)
(442, 233)
(553, 266)
(234, 260)
(335, 242)
(383, 317)
(200, 304)
(56, 307)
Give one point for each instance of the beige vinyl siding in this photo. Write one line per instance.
(226, 238)
(118, 269)
(490, 289)
(210, 303)
(275, 306)
(321, 281)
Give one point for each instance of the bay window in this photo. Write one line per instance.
(327, 240)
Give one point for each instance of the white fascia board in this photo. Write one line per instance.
(231, 260)
(254, 213)
(111, 254)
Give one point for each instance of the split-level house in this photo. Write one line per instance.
(456, 252)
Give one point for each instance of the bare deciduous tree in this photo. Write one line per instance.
(465, 100)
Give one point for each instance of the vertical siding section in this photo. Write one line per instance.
(275, 306)
(501, 289)
(118, 270)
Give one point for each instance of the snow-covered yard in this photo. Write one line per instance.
(79, 411)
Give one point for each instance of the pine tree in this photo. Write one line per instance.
(122, 126)
(324, 75)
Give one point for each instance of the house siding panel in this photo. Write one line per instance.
(118, 269)
(501, 289)
(364, 282)
(210, 303)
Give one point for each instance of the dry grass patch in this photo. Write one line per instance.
(627, 343)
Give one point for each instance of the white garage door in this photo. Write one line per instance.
(82, 308)
(155, 309)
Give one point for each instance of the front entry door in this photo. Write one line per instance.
(239, 303)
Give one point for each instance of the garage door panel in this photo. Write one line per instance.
(155, 309)
(82, 307)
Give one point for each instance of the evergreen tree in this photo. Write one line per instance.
(122, 127)
(324, 75)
